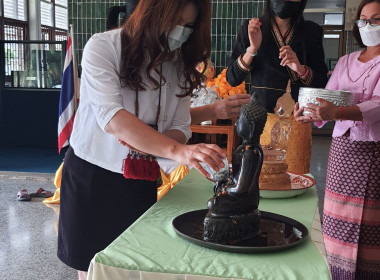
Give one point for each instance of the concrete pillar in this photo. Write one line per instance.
(34, 19)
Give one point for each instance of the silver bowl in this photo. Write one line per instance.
(338, 97)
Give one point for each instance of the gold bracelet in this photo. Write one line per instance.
(243, 63)
(242, 69)
(307, 77)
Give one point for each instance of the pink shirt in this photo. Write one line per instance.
(361, 79)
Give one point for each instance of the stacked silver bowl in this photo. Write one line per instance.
(337, 97)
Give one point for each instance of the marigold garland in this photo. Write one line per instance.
(223, 88)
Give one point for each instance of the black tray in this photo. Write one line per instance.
(277, 233)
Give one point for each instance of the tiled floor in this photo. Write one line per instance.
(318, 165)
(28, 230)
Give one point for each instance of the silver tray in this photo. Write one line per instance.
(337, 97)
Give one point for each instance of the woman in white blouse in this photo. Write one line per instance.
(135, 88)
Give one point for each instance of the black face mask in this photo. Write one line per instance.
(285, 9)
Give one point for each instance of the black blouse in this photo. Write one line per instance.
(268, 78)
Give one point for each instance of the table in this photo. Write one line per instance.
(150, 249)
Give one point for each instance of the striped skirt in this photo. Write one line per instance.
(351, 220)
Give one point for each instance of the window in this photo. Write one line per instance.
(15, 9)
(47, 14)
(333, 19)
(61, 17)
(32, 64)
(54, 21)
(14, 20)
(36, 64)
(15, 30)
(61, 2)
(54, 13)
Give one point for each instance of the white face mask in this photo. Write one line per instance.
(370, 35)
(178, 36)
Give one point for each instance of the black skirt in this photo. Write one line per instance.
(96, 206)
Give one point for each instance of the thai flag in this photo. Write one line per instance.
(66, 99)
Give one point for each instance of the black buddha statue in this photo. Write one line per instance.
(233, 210)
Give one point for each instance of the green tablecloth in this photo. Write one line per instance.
(151, 249)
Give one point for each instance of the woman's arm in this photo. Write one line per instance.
(235, 73)
(179, 128)
(370, 109)
(226, 108)
(131, 130)
(328, 111)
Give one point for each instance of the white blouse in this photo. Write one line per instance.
(101, 96)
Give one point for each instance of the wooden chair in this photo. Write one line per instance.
(219, 127)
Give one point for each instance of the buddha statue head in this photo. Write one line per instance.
(251, 122)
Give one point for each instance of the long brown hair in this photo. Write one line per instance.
(144, 40)
(355, 28)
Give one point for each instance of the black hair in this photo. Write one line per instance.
(113, 16)
(130, 6)
(114, 12)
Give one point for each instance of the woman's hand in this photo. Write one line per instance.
(289, 58)
(326, 111)
(192, 155)
(254, 35)
(298, 114)
(229, 107)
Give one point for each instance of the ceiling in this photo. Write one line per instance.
(326, 4)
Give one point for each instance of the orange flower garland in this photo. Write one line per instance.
(223, 88)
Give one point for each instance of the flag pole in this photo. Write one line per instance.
(75, 70)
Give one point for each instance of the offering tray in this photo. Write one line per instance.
(277, 233)
(299, 185)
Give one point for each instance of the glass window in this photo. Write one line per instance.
(46, 14)
(61, 18)
(54, 14)
(33, 65)
(15, 30)
(61, 2)
(334, 19)
(331, 36)
(15, 9)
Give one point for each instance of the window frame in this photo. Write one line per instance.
(53, 33)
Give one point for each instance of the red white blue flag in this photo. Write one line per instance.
(67, 99)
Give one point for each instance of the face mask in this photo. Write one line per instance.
(370, 35)
(178, 36)
(285, 9)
